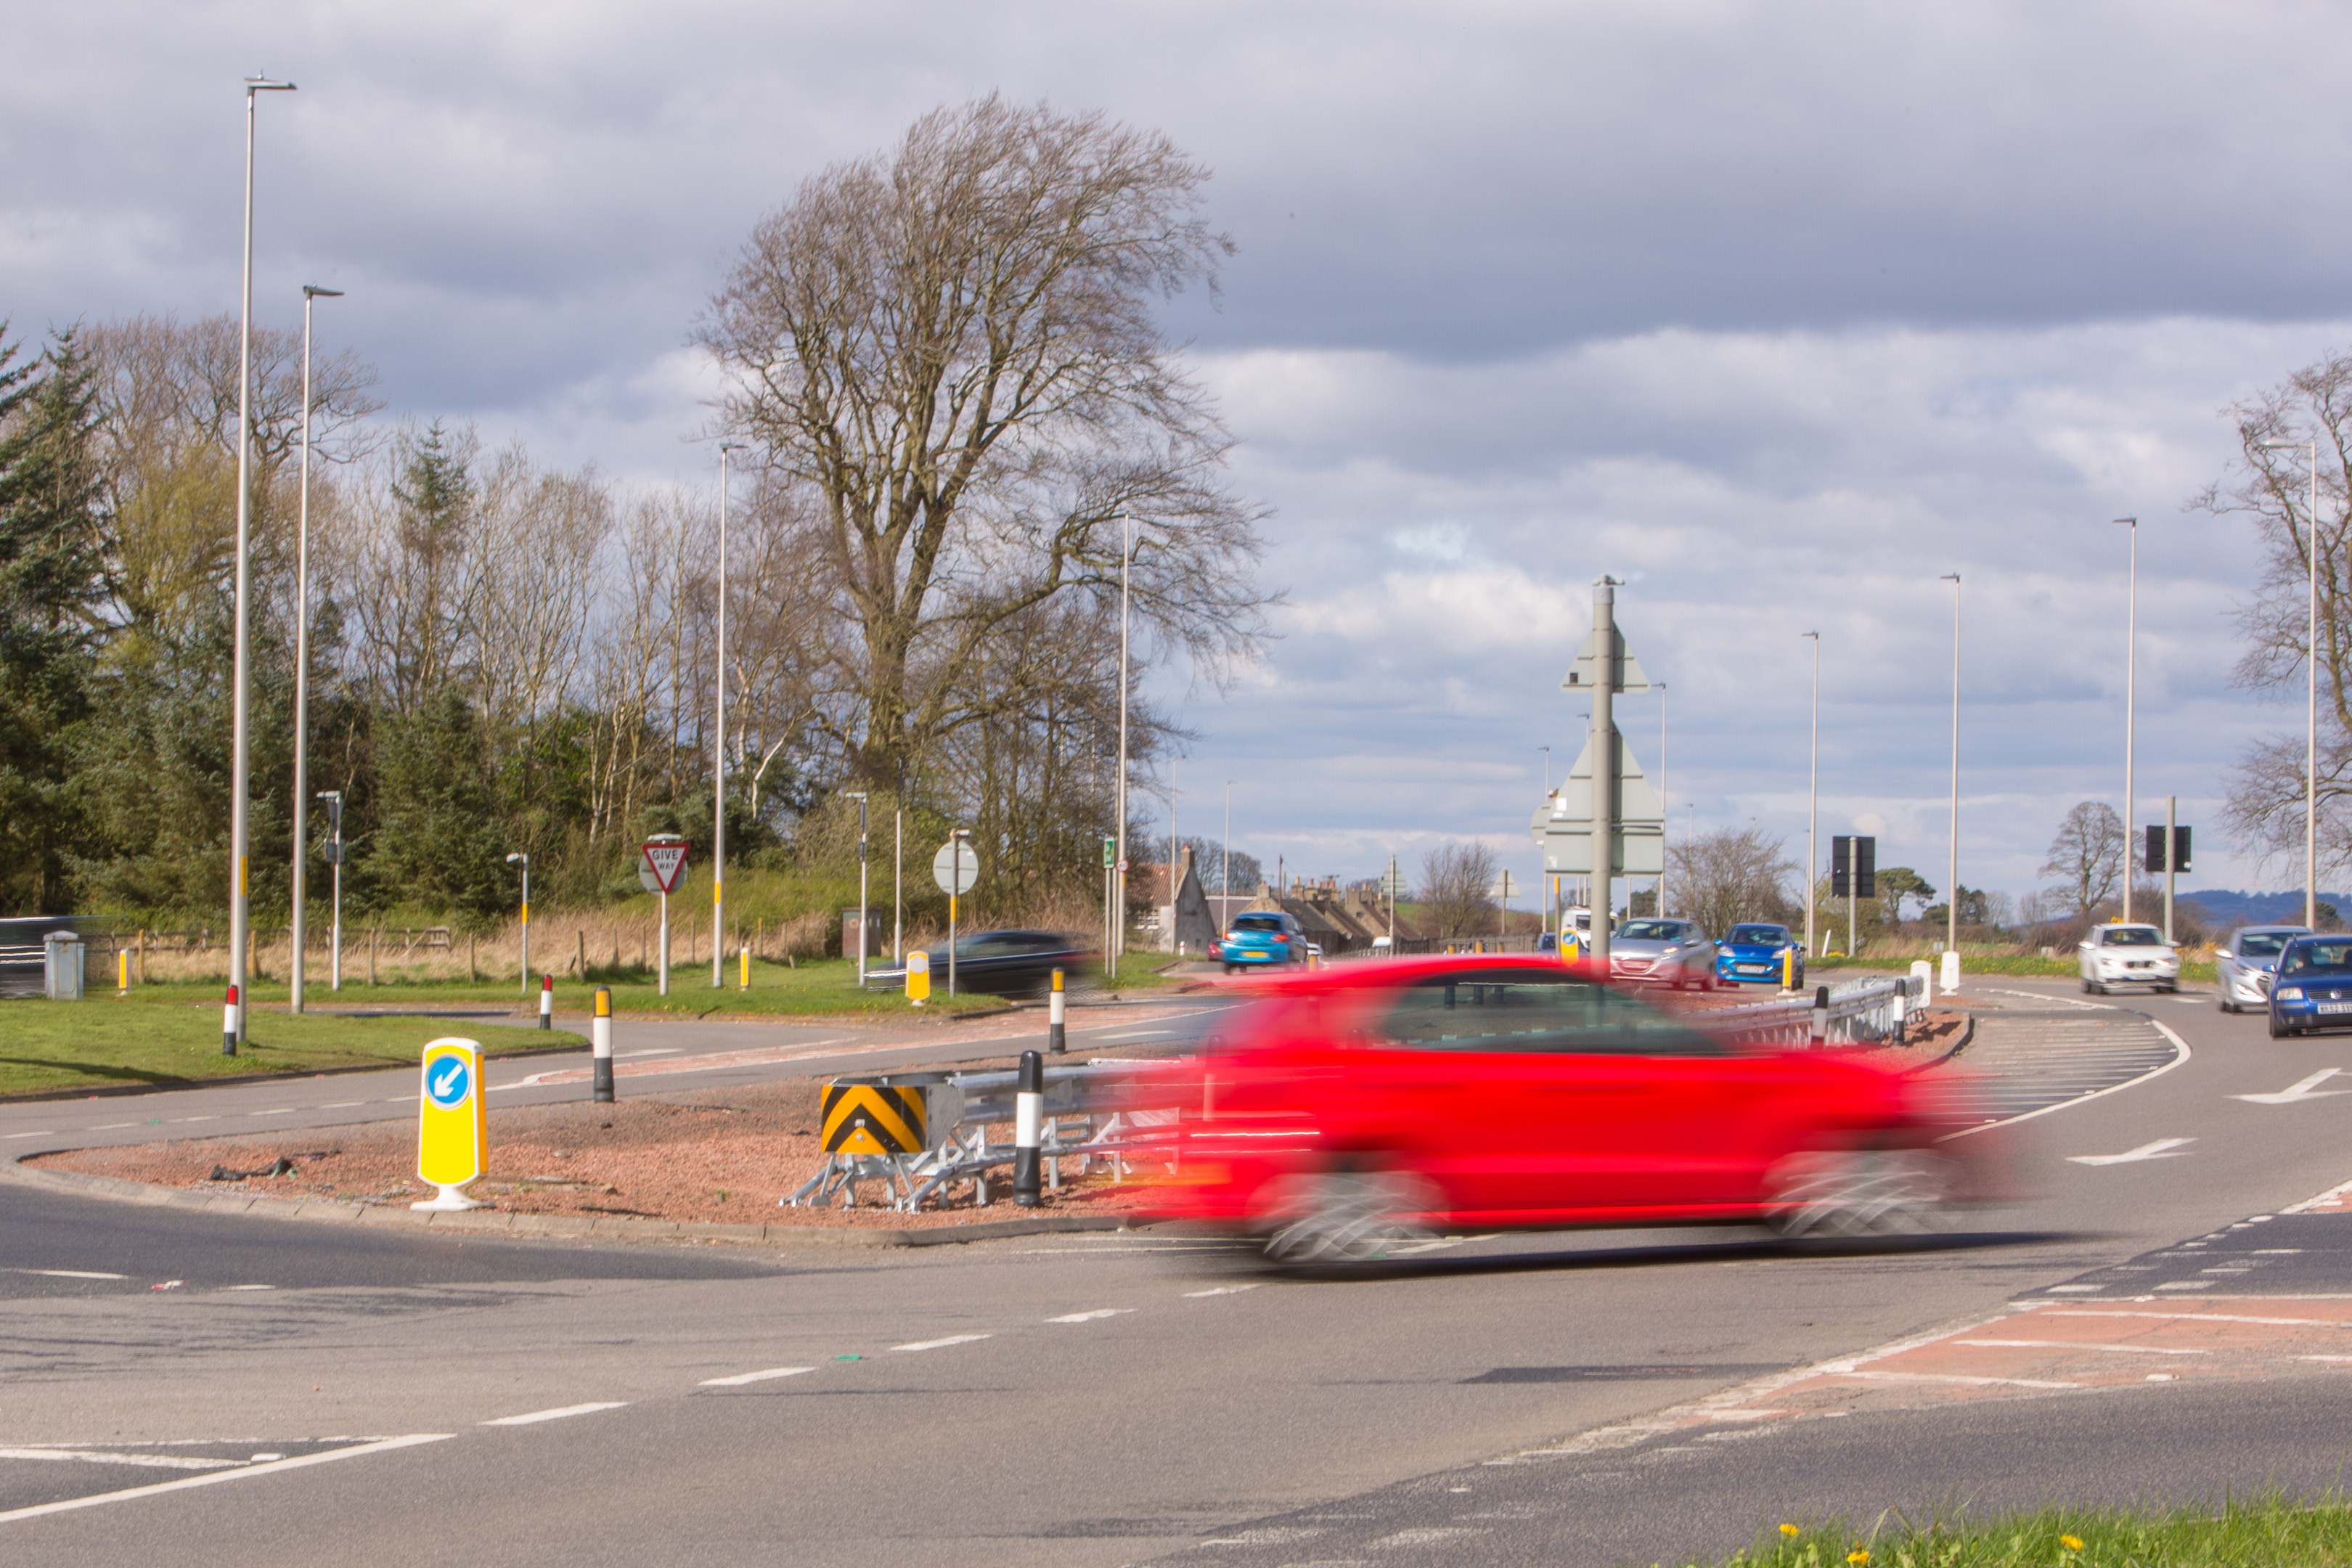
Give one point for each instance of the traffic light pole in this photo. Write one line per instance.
(2171, 859)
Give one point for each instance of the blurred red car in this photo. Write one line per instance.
(1356, 1107)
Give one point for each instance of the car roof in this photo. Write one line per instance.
(2275, 930)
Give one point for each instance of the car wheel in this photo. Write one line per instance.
(2278, 1031)
(2086, 986)
(1858, 1192)
(1335, 1218)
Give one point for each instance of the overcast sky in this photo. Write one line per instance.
(1777, 311)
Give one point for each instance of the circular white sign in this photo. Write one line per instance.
(955, 867)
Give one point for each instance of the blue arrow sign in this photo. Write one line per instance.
(449, 1083)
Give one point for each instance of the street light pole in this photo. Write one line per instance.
(1551, 883)
(2311, 698)
(1665, 811)
(519, 859)
(1814, 803)
(1118, 873)
(2131, 676)
(240, 889)
(1225, 871)
(719, 774)
(310, 291)
(1952, 871)
(860, 797)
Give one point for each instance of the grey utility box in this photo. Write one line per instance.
(61, 961)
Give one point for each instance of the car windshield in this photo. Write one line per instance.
(1758, 936)
(2261, 945)
(1651, 930)
(2309, 957)
(1258, 922)
(2135, 936)
(1520, 1010)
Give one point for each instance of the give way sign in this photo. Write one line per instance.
(664, 865)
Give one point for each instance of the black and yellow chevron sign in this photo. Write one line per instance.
(867, 1119)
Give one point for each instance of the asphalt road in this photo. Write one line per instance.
(1105, 1399)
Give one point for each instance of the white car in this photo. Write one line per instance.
(2121, 954)
(2241, 970)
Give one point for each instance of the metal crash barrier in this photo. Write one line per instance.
(1865, 1011)
(917, 1134)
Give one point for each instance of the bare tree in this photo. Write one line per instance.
(1455, 880)
(2087, 856)
(1725, 876)
(952, 351)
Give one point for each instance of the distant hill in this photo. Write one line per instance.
(2230, 908)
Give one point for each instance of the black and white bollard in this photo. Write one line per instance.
(1028, 1129)
(1055, 1041)
(600, 1042)
(229, 1024)
(547, 1001)
(1901, 1009)
(1821, 1016)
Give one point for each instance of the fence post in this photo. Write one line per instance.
(1821, 1015)
(600, 1042)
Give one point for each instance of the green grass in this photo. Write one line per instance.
(105, 1041)
(2000, 963)
(2273, 1532)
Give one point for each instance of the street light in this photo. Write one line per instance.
(1663, 810)
(1225, 871)
(2311, 697)
(1551, 882)
(860, 797)
(519, 859)
(1813, 802)
(1952, 871)
(240, 934)
(310, 291)
(2131, 651)
(719, 771)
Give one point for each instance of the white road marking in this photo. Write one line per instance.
(343, 1105)
(663, 1051)
(281, 1110)
(1090, 1317)
(2075, 1346)
(2057, 1290)
(114, 1126)
(1955, 1377)
(2180, 1053)
(1139, 1035)
(238, 1474)
(2047, 997)
(2307, 1089)
(1220, 1290)
(67, 1273)
(556, 1415)
(44, 1132)
(2162, 1149)
(100, 1456)
(249, 1287)
(941, 1344)
(196, 1118)
(740, 1378)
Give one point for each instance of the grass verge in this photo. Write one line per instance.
(105, 1042)
(2271, 1531)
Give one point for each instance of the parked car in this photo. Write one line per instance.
(1359, 1108)
(2312, 988)
(1001, 962)
(1752, 954)
(1259, 938)
(2120, 954)
(2243, 969)
(1662, 952)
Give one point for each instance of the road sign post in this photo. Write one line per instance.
(452, 1122)
(661, 867)
(955, 868)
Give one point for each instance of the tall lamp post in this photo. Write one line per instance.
(2131, 674)
(1225, 869)
(519, 858)
(240, 889)
(1952, 870)
(1814, 803)
(860, 797)
(2311, 698)
(1550, 882)
(718, 771)
(310, 291)
(1665, 811)
(1118, 873)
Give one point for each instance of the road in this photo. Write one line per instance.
(2154, 1323)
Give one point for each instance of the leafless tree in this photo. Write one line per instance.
(2269, 484)
(1725, 876)
(2087, 856)
(1457, 880)
(952, 351)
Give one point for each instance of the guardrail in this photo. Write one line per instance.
(1861, 1012)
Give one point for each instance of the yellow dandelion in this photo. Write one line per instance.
(1858, 1556)
(1790, 1529)
(2071, 1543)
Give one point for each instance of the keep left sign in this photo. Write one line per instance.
(452, 1119)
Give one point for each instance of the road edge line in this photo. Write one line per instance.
(2181, 1053)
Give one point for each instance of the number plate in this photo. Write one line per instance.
(2336, 1007)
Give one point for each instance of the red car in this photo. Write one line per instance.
(1356, 1107)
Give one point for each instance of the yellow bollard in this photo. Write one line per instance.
(919, 977)
(122, 973)
(1787, 969)
(743, 964)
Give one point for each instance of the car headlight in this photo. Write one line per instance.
(2291, 994)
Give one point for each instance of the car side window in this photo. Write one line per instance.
(1520, 1010)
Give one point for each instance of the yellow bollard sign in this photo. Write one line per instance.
(453, 1124)
(869, 1119)
(919, 977)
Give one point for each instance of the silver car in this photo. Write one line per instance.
(2243, 967)
(1662, 952)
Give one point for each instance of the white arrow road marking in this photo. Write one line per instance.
(2307, 1090)
(2162, 1149)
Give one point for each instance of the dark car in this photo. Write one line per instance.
(1752, 953)
(1261, 939)
(1001, 963)
(2313, 986)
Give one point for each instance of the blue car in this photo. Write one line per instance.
(1749, 954)
(1260, 938)
(2312, 988)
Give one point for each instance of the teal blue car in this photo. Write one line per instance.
(1750, 954)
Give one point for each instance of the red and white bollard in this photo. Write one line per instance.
(547, 1001)
(1056, 1036)
(229, 1024)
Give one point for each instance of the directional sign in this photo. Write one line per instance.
(1395, 884)
(1563, 825)
(955, 867)
(2308, 1089)
(453, 1114)
(1584, 675)
(662, 867)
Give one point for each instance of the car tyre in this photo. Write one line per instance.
(1345, 1217)
(2278, 1030)
(1847, 1193)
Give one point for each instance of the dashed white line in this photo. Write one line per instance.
(740, 1378)
(556, 1415)
(1098, 1312)
(216, 1476)
(249, 1287)
(113, 1126)
(1220, 1290)
(343, 1105)
(281, 1110)
(941, 1344)
(44, 1132)
(66, 1273)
